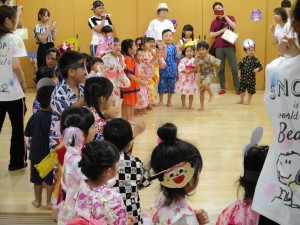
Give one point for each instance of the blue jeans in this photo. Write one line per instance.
(93, 49)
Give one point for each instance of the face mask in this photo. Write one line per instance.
(112, 182)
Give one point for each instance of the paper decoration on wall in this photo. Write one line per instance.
(73, 43)
(63, 48)
(174, 24)
(256, 15)
(22, 32)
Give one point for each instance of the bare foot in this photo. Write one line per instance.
(200, 109)
(183, 107)
(247, 103)
(36, 204)
(240, 102)
(49, 205)
(169, 105)
(149, 107)
(191, 108)
(211, 98)
(158, 104)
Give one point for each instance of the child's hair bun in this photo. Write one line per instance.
(167, 133)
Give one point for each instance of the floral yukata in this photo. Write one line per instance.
(178, 213)
(100, 203)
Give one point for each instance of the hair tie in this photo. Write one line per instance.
(73, 134)
(159, 140)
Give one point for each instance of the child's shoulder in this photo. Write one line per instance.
(135, 161)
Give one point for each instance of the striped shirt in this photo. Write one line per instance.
(38, 128)
(40, 29)
(94, 21)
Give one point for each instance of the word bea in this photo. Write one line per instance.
(279, 88)
(290, 134)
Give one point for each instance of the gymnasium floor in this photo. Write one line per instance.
(219, 132)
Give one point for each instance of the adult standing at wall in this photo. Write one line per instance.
(157, 26)
(224, 49)
(96, 23)
(12, 85)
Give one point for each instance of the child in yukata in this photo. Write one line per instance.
(248, 67)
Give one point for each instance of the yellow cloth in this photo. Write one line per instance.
(47, 164)
(191, 43)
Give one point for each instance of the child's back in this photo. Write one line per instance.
(132, 174)
(240, 211)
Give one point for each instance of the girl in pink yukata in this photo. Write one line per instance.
(143, 94)
(240, 211)
(177, 165)
(96, 202)
(114, 65)
(77, 127)
(187, 82)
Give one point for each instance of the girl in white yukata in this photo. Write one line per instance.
(187, 82)
(114, 65)
(95, 202)
(77, 127)
(177, 165)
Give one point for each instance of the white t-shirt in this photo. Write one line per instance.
(277, 193)
(157, 27)
(94, 21)
(11, 46)
(285, 30)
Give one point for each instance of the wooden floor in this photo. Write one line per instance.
(219, 132)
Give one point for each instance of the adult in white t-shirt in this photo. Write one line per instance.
(157, 26)
(96, 23)
(277, 193)
(12, 86)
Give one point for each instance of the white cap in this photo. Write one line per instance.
(162, 6)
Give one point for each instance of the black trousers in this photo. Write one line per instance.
(16, 111)
(41, 53)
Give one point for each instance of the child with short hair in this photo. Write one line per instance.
(38, 128)
(130, 94)
(187, 82)
(104, 47)
(208, 66)
(95, 202)
(119, 132)
(168, 74)
(98, 95)
(69, 91)
(77, 128)
(97, 68)
(114, 65)
(248, 67)
(177, 165)
(240, 211)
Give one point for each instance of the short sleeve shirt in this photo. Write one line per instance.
(157, 27)
(11, 46)
(94, 21)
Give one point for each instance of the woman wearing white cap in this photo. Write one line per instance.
(156, 26)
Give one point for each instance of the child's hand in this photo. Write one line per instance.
(139, 127)
(202, 216)
(33, 63)
(130, 219)
(256, 70)
(201, 62)
(143, 83)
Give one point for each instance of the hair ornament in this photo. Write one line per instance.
(73, 136)
(255, 138)
(159, 140)
(248, 43)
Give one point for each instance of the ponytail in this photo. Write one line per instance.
(6, 12)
